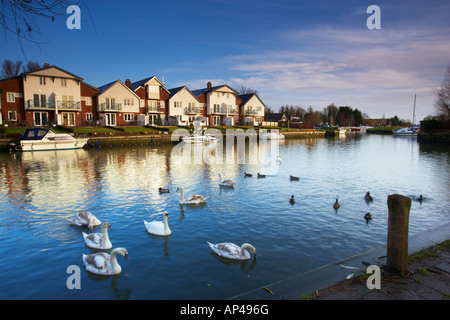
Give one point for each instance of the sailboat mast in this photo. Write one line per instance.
(414, 111)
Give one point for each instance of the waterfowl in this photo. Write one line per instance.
(225, 183)
(420, 198)
(85, 219)
(192, 199)
(231, 251)
(292, 200)
(104, 264)
(247, 174)
(261, 175)
(336, 205)
(159, 228)
(368, 197)
(279, 159)
(368, 216)
(161, 190)
(98, 240)
(294, 178)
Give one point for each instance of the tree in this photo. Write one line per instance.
(442, 102)
(245, 90)
(11, 68)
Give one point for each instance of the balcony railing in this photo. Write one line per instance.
(251, 112)
(111, 107)
(69, 105)
(193, 110)
(39, 104)
(156, 109)
(225, 110)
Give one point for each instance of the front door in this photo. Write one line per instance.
(41, 118)
(68, 119)
(110, 119)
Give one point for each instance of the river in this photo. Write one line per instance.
(41, 190)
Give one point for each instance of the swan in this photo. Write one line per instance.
(336, 205)
(279, 159)
(368, 216)
(98, 240)
(232, 251)
(368, 197)
(104, 264)
(161, 190)
(292, 200)
(159, 228)
(261, 175)
(225, 183)
(85, 218)
(294, 178)
(247, 175)
(192, 199)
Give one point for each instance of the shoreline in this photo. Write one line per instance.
(328, 276)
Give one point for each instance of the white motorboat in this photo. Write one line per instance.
(38, 139)
(410, 131)
(199, 136)
(272, 136)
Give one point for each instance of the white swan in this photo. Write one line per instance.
(192, 199)
(98, 240)
(85, 218)
(159, 228)
(225, 183)
(104, 264)
(231, 251)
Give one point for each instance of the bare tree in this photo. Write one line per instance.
(442, 103)
(245, 90)
(32, 66)
(11, 68)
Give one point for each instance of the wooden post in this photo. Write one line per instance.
(398, 223)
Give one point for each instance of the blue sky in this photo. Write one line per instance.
(301, 53)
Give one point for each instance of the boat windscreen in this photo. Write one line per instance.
(34, 134)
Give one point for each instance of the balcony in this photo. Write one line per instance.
(251, 112)
(111, 107)
(40, 104)
(154, 109)
(69, 105)
(225, 111)
(193, 110)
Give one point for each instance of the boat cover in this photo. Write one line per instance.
(34, 134)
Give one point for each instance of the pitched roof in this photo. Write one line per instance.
(246, 97)
(105, 87)
(205, 90)
(140, 83)
(174, 91)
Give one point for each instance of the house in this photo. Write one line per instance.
(11, 102)
(117, 105)
(89, 110)
(153, 100)
(251, 109)
(221, 104)
(277, 119)
(184, 108)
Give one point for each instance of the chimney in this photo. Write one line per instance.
(46, 65)
(128, 83)
(209, 85)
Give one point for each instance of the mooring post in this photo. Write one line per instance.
(398, 223)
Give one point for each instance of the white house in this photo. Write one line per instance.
(184, 108)
(251, 109)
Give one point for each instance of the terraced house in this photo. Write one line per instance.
(53, 96)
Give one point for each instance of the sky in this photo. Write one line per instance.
(300, 53)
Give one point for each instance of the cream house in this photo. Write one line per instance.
(251, 109)
(184, 108)
(221, 104)
(52, 96)
(117, 104)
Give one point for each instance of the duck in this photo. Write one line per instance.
(368, 197)
(336, 205)
(247, 175)
(98, 240)
(104, 264)
(261, 175)
(294, 178)
(225, 183)
(419, 198)
(85, 218)
(292, 200)
(159, 228)
(368, 216)
(162, 190)
(192, 199)
(231, 251)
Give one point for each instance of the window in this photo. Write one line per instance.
(88, 101)
(63, 82)
(88, 116)
(128, 116)
(43, 101)
(10, 97)
(153, 89)
(40, 118)
(12, 115)
(218, 94)
(177, 104)
(42, 81)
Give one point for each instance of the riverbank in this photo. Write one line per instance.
(330, 281)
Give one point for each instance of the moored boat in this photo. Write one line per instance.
(39, 139)
(410, 131)
(199, 136)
